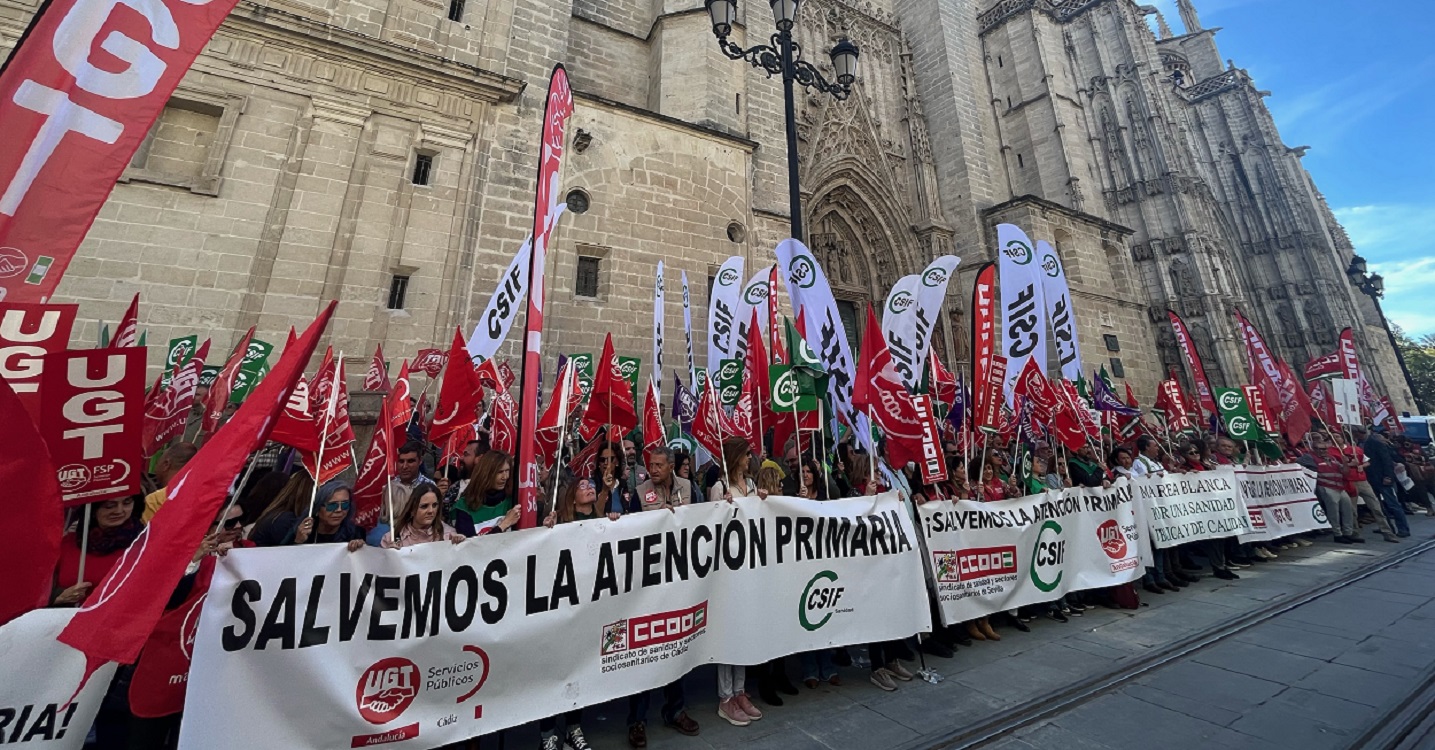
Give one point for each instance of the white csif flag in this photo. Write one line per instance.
(1023, 309)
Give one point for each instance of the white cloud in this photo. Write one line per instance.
(1399, 243)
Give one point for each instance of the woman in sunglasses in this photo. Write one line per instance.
(610, 479)
(332, 521)
(420, 521)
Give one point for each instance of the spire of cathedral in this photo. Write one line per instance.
(1162, 26)
(1189, 19)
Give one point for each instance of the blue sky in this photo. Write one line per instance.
(1355, 81)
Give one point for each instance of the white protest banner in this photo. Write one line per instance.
(507, 299)
(434, 643)
(1280, 500)
(1023, 319)
(658, 331)
(722, 311)
(40, 676)
(1346, 396)
(899, 329)
(992, 557)
(930, 297)
(753, 298)
(688, 331)
(1181, 508)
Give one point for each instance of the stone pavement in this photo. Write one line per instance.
(1311, 678)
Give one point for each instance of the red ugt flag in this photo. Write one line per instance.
(92, 417)
(374, 473)
(461, 393)
(377, 378)
(223, 385)
(33, 505)
(123, 609)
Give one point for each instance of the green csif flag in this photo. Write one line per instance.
(792, 389)
(180, 350)
(629, 366)
(729, 381)
(1236, 414)
(799, 352)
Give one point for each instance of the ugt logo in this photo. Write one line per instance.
(819, 598)
(386, 689)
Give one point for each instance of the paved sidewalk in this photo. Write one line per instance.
(1312, 679)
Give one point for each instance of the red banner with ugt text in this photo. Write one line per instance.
(77, 98)
(27, 334)
(92, 419)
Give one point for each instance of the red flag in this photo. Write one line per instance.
(1323, 403)
(123, 609)
(377, 378)
(127, 333)
(75, 117)
(883, 397)
(1033, 385)
(582, 464)
(989, 399)
(28, 332)
(154, 690)
(92, 417)
(460, 396)
(401, 409)
(335, 453)
(503, 427)
(710, 425)
(611, 400)
(1296, 408)
(1170, 400)
(32, 511)
(296, 426)
(557, 108)
(652, 422)
(1193, 362)
(223, 386)
(744, 413)
(944, 383)
(873, 347)
(374, 472)
(1261, 410)
(495, 375)
(164, 415)
(774, 321)
(548, 430)
(1325, 366)
(431, 361)
(1267, 374)
(984, 354)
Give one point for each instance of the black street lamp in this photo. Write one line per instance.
(1373, 286)
(784, 57)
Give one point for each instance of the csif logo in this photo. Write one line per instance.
(785, 391)
(628, 368)
(1047, 556)
(727, 277)
(803, 272)
(386, 689)
(1230, 400)
(819, 601)
(934, 277)
(730, 370)
(730, 394)
(1240, 425)
(1051, 265)
(900, 302)
(755, 294)
(1018, 251)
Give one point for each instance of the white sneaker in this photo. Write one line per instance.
(551, 742)
(898, 671)
(576, 740)
(1303, 542)
(883, 679)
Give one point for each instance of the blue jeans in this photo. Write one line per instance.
(817, 665)
(672, 703)
(1394, 511)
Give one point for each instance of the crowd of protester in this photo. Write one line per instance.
(1365, 479)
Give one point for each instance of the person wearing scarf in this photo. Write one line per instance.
(487, 503)
(114, 525)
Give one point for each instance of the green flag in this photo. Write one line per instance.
(792, 389)
(582, 365)
(1236, 413)
(799, 352)
(208, 374)
(253, 369)
(629, 366)
(180, 350)
(729, 381)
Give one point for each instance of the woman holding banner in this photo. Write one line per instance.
(420, 522)
(332, 520)
(280, 514)
(577, 501)
(733, 704)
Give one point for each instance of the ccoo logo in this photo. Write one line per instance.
(386, 689)
(1019, 252)
(803, 272)
(819, 597)
(1230, 400)
(900, 302)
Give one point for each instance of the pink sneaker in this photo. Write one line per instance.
(731, 710)
(747, 707)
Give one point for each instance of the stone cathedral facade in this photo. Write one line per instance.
(383, 152)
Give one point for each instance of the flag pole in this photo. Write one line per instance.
(324, 434)
(248, 470)
(84, 543)
(563, 385)
(822, 441)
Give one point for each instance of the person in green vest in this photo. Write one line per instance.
(487, 503)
